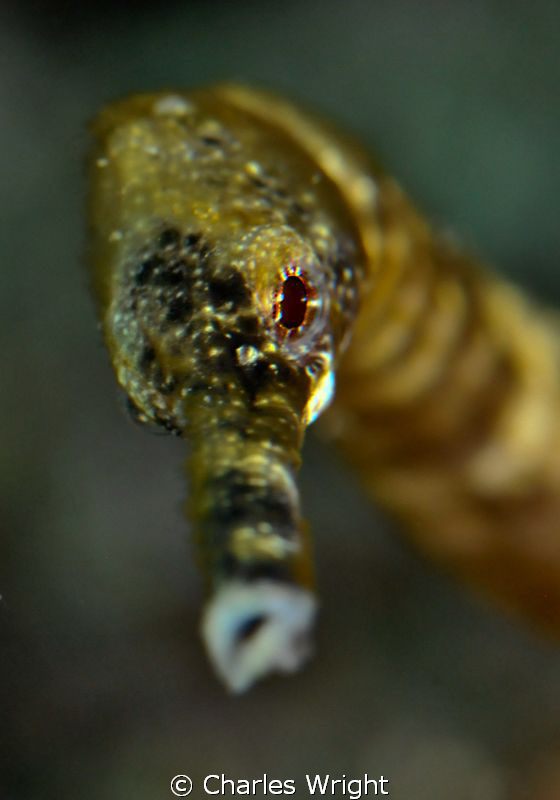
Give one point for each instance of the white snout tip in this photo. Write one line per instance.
(253, 629)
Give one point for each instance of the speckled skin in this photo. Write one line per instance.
(197, 214)
(448, 394)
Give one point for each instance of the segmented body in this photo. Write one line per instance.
(240, 248)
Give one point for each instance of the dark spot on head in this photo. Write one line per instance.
(155, 424)
(170, 237)
(147, 357)
(228, 287)
(221, 362)
(200, 387)
(179, 309)
(216, 180)
(282, 370)
(298, 209)
(210, 340)
(147, 269)
(192, 239)
(258, 182)
(248, 324)
(174, 273)
(254, 377)
(168, 426)
(191, 327)
(164, 383)
(211, 141)
(203, 252)
(213, 393)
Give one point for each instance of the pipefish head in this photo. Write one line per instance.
(226, 268)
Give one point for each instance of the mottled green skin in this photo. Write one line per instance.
(197, 210)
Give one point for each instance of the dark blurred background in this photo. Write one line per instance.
(104, 689)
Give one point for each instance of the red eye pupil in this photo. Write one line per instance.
(293, 303)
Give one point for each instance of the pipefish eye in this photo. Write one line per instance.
(302, 326)
(291, 304)
(296, 303)
(292, 290)
(300, 311)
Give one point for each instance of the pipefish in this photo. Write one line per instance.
(245, 252)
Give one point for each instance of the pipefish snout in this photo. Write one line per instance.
(234, 240)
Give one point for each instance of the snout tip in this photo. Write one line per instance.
(257, 628)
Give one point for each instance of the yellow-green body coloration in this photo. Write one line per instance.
(234, 239)
(200, 214)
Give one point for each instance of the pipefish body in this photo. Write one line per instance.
(244, 253)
